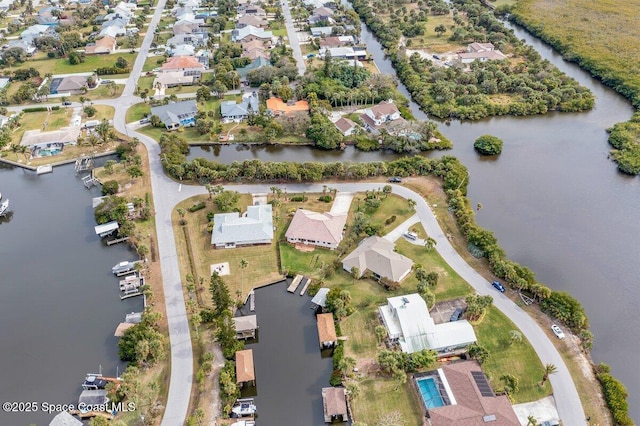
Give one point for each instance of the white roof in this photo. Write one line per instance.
(320, 299)
(255, 225)
(251, 30)
(105, 228)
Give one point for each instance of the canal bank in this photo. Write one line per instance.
(59, 300)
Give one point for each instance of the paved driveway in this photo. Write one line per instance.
(342, 203)
(399, 230)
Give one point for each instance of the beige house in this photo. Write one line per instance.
(346, 126)
(172, 79)
(480, 52)
(245, 326)
(104, 46)
(375, 254)
(317, 229)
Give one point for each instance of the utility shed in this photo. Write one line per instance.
(334, 402)
(106, 229)
(246, 326)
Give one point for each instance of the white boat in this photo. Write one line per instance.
(243, 408)
(4, 207)
(124, 267)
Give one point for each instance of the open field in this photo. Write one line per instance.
(62, 66)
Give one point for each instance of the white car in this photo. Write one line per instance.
(557, 331)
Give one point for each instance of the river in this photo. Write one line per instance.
(554, 200)
(59, 302)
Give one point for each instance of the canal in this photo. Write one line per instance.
(553, 198)
(59, 302)
(290, 371)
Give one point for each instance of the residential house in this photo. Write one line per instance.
(38, 140)
(232, 111)
(251, 33)
(256, 53)
(346, 52)
(179, 11)
(326, 331)
(346, 126)
(231, 230)
(245, 326)
(189, 26)
(188, 65)
(5, 5)
(480, 52)
(193, 4)
(194, 39)
(334, 404)
(321, 31)
(114, 28)
(336, 41)
(36, 31)
(172, 79)
(252, 20)
(48, 16)
(278, 107)
(182, 50)
(409, 324)
(464, 397)
(317, 229)
(121, 11)
(254, 10)
(377, 255)
(375, 117)
(73, 84)
(177, 114)
(103, 46)
(245, 372)
(321, 14)
(254, 65)
(28, 47)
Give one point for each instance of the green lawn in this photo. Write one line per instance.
(41, 120)
(380, 398)
(145, 83)
(152, 62)
(62, 66)
(137, 111)
(518, 359)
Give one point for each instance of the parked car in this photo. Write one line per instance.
(411, 235)
(66, 103)
(436, 57)
(498, 286)
(395, 179)
(106, 81)
(557, 331)
(457, 314)
(145, 120)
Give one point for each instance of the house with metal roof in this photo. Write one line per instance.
(176, 114)
(320, 299)
(255, 226)
(460, 394)
(377, 255)
(316, 229)
(409, 324)
(232, 111)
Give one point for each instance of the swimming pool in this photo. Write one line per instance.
(429, 391)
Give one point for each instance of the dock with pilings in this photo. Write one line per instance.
(306, 285)
(294, 284)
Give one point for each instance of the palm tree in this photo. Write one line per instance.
(243, 265)
(531, 421)
(346, 364)
(549, 369)
(412, 203)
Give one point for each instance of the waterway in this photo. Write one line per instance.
(553, 198)
(59, 303)
(290, 371)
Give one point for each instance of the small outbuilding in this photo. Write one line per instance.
(334, 402)
(246, 326)
(245, 372)
(319, 301)
(326, 331)
(106, 229)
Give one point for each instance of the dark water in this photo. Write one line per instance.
(554, 200)
(59, 303)
(290, 371)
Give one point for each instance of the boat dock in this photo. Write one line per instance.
(306, 285)
(294, 284)
(117, 240)
(132, 293)
(47, 168)
(252, 301)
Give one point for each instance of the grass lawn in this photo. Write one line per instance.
(61, 66)
(379, 398)
(430, 39)
(152, 62)
(145, 83)
(518, 358)
(137, 111)
(102, 111)
(42, 120)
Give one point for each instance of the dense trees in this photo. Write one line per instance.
(488, 145)
(625, 138)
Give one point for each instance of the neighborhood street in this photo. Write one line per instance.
(293, 38)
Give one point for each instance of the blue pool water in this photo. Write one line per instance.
(429, 391)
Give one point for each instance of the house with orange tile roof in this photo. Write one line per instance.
(105, 45)
(188, 65)
(279, 107)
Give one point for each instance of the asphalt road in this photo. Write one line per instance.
(565, 393)
(293, 38)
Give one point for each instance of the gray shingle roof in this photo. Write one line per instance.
(173, 112)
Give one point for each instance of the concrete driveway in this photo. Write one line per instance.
(342, 203)
(399, 230)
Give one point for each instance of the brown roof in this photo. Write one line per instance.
(344, 124)
(252, 20)
(331, 42)
(105, 44)
(279, 107)
(326, 328)
(253, 44)
(384, 108)
(314, 226)
(244, 366)
(180, 62)
(255, 53)
(471, 407)
(334, 401)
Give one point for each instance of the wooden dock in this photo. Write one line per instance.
(252, 301)
(294, 284)
(129, 295)
(117, 240)
(306, 285)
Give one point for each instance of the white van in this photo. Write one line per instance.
(411, 235)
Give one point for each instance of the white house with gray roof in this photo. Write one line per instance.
(231, 230)
(232, 111)
(409, 324)
(177, 114)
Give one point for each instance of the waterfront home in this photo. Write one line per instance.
(278, 107)
(409, 324)
(334, 403)
(459, 394)
(246, 326)
(377, 255)
(316, 229)
(480, 52)
(177, 114)
(326, 331)
(336, 41)
(47, 144)
(236, 112)
(254, 227)
(103, 46)
(245, 372)
(346, 126)
(376, 117)
(346, 52)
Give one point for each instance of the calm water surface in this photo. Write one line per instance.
(59, 303)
